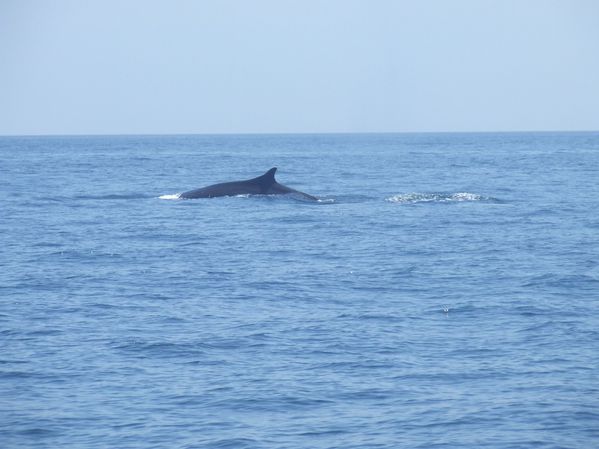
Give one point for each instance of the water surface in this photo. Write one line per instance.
(444, 293)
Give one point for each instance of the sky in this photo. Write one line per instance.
(283, 66)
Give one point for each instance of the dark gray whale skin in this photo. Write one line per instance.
(262, 185)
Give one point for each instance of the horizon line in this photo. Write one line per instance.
(254, 133)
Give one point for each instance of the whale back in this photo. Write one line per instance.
(265, 184)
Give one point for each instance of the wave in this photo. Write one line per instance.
(415, 197)
(132, 196)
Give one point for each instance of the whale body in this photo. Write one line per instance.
(262, 185)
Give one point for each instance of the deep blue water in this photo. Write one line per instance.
(443, 294)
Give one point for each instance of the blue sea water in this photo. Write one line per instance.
(444, 293)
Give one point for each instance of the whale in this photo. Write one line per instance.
(265, 184)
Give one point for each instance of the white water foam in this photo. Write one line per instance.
(175, 196)
(434, 197)
(465, 196)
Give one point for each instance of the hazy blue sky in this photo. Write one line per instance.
(139, 66)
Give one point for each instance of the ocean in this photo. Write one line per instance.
(442, 293)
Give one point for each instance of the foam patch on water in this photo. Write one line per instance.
(326, 200)
(435, 197)
(175, 196)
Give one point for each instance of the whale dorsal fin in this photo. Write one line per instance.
(267, 179)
